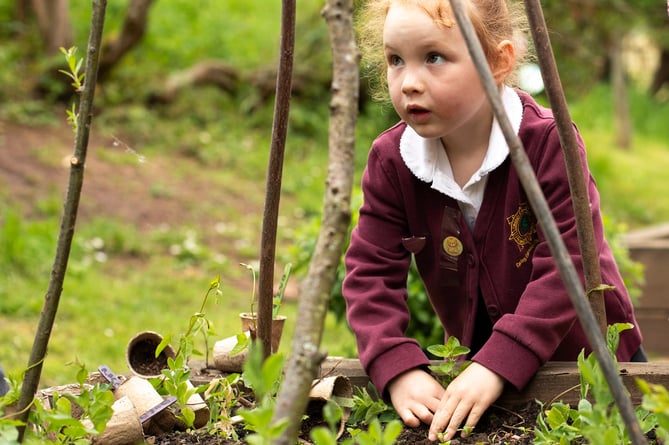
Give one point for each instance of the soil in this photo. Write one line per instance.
(34, 167)
(498, 426)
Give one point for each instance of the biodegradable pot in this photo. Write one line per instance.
(225, 361)
(331, 387)
(124, 427)
(141, 355)
(145, 399)
(250, 323)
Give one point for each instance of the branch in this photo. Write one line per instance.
(303, 364)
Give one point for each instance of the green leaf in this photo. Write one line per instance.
(188, 416)
(322, 436)
(392, 431)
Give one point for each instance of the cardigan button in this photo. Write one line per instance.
(493, 311)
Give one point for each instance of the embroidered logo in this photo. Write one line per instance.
(523, 225)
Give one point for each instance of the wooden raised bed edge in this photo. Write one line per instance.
(555, 381)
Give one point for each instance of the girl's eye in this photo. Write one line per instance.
(435, 58)
(394, 60)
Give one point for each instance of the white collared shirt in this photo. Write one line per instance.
(428, 161)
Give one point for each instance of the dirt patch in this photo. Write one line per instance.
(34, 166)
(497, 426)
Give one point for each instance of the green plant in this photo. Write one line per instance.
(175, 379)
(243, 338)
(278, 298)
(8, 424)
(656, 401)
(332, 414)
(596, 419)
(376, 434)
(57, 422)
(222, 397)
(448, 369)
(368, 405)
(264, 378)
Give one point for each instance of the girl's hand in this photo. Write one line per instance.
(466, 398)
(415, 395)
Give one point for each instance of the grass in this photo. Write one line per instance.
(137, 280)
(631, 181)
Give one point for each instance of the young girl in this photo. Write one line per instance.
(440, 186)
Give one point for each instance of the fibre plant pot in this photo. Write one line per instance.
(227, 361)
(141, 355)
(250, 324)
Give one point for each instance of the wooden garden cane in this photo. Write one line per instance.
(577, 183)
(527, 177)
(274, 173)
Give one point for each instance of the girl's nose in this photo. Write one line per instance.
(411, 83)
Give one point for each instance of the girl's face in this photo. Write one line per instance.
(432, 80)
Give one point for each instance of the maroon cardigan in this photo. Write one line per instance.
(505, 259)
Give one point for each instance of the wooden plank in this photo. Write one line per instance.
(554, 381)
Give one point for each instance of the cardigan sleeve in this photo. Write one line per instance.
(376, 272)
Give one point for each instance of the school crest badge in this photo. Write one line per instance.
(523, 231)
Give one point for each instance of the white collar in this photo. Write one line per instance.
(427, 159)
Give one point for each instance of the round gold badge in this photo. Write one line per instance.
(452, 246)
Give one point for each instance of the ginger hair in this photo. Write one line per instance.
(493, 20)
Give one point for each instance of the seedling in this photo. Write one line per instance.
(175, 380)
(243, 340)
(446, 371)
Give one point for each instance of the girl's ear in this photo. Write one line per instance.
(504, 62)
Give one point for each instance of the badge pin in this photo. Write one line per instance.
(452, 246)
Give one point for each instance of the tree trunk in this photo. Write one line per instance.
(302, 366)
(53, 22)
(134, 28)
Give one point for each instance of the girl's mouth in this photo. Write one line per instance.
(418, 114)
